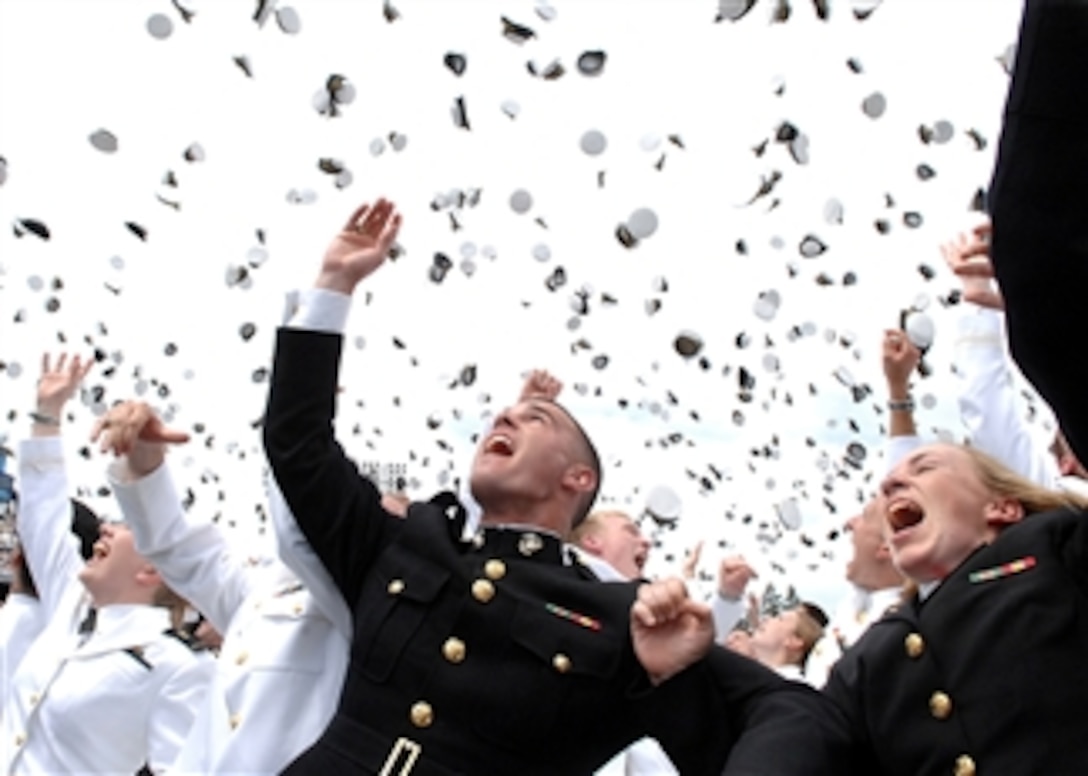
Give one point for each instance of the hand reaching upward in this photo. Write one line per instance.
(968, 256)
(360, 247)
(540, 384)
(132, 429)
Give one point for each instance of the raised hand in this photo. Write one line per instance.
(540, 384)
(968, 256)
(734, 574)
(691, 563)
(360, 247)
(900, 357)
(132, 429)
(669, 630)
(59, 382)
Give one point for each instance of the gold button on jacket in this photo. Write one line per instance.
(915, 645)
(454, 650)
(940, 705)
(562, 663)
(965, 766)
(422, 715)
(495, 569)
(483, 591)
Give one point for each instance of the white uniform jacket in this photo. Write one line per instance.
(110, 701)
(20, 624)
(282, 662)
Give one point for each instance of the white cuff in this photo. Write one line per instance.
(321, 310)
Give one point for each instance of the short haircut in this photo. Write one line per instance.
(593, 521)
(591, 458)
(811, 621)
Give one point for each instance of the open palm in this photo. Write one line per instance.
(360, 247)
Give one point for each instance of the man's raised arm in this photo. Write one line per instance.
(321, 486)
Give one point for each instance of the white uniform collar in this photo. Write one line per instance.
(120, 626)
(604, 570)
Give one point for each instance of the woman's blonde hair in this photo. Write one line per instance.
(1002, 481)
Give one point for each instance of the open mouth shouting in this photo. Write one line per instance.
(499, 443)
(902, 515)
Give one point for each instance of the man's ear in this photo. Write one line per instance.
(591, 542)
(148, 576)
(1003, 512)
(580, 478)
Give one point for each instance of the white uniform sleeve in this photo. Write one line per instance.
(175, 710)
(297, 554)
(20, 624)
(45, 521)
(726, 613)
(988, 400)
(899, 447)
(191, 555)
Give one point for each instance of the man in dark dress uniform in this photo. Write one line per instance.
(501, 654)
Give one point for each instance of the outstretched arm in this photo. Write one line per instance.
(192, 555)
(338, 510)
(45, 512)
(988, 401)
(900, 358)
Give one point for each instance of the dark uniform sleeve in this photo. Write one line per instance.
(1039, 207)
(732, 710)
(337, 509)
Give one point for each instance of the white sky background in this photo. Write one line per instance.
(70, 68)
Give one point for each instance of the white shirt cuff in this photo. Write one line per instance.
(316, 309)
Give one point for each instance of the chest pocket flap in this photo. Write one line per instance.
(569, 645)
(397, 598)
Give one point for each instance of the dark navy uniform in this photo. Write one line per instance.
(988, 674)
(496, 655)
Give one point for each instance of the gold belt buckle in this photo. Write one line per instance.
(407, 748)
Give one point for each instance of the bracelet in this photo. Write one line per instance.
(44, 420)
(901, 405)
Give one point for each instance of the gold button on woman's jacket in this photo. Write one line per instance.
(915, 645)
(483, 591)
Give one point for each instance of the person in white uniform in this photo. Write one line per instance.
(20, 617)
(612, 546)
(283, 656)
(121, 695)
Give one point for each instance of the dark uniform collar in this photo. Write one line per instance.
(518, 541)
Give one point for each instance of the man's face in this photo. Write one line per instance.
(111, 573)
(526, 455)
(937, 512)
(775, 633)
(871, 555)
(620, 542)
